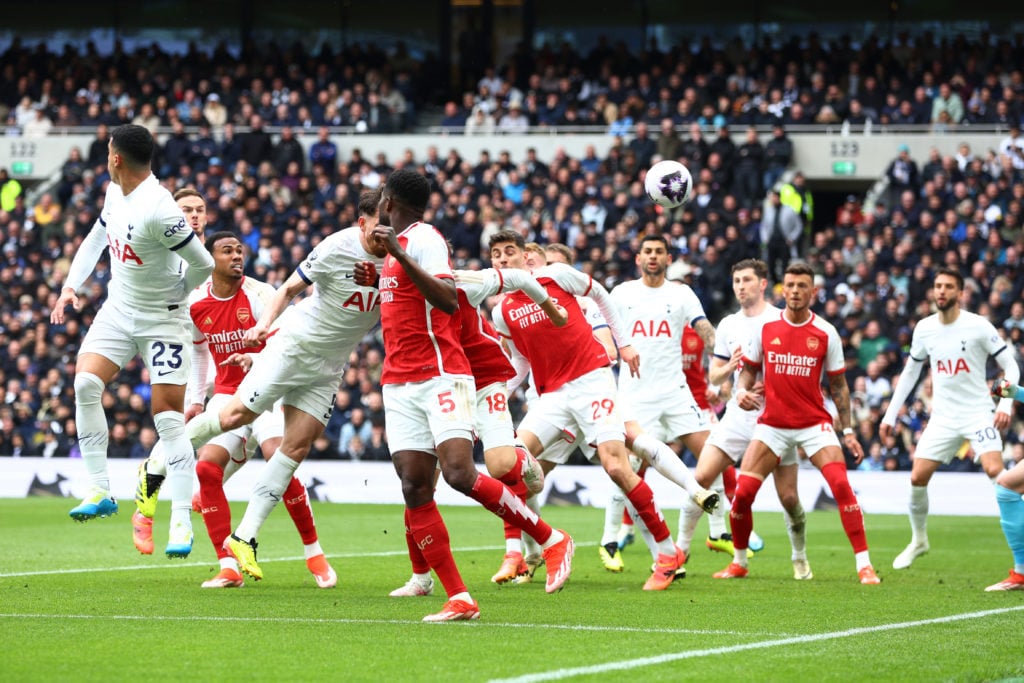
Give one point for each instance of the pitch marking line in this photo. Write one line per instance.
(629, 664)
(378, 622)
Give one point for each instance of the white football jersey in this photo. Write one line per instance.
(736, 330)
(957, 355)
(143, 232)
(339, 313)
(654, 318)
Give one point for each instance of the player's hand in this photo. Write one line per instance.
(256, 335)
(192, 410)
(242, 360)
(885, 431)
(1003, 389)
(735, 358)
(67, 297)
(365, 274)
(749, 399)
(561, 318)
(1002, 421)
(630, 357)
(853, 445)
(385, 236)
(711, 396)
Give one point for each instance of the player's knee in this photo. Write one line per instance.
(88, 388)
(460, 478)
(789, 499)
(170, 425)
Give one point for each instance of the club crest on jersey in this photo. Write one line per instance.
(691, 343)
(243, 315)
(812, 343)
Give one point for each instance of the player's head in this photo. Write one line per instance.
(507, 249)
(558, 253)
(749, 280)
(406, 192)
(131, 148)
(533, 254)
(798, 286)
(228, 255)
(947, 287)
(369, 208)
(193, 205)
(653, 257)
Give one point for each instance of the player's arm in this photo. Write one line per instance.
(296, 283)
(721, 369)
(705, 330)
(438, 291)
(900, 393)
(82, 266)
(198, 384)
(575, 282)
(1011, 374)
(199, 260)
(480, 284)
(840, 392)
(749, 392)
(603, 335)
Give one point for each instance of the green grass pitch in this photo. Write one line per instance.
(78, 603)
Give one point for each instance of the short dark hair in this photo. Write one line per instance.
(369, 201)
(951, 272)
(188, 192)
(211, 241)
(134, 143)
(503, 236)
(408, 187)
(759, 267)
(800, 268)
(654, 237)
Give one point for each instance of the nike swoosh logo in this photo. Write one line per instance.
(348, 276)
(164, 373)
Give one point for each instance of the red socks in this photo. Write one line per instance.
(419, 563)
(642, 498)
(500, 500)
(216, 513)
(729, 482)
(296, 500)
(849, 508)
(741, 519)
(515, 484)
(430, 537)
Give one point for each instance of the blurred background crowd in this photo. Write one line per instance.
(227, 125)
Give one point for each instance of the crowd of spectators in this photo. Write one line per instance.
(875, 265)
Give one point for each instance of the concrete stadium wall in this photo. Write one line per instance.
(824, 156)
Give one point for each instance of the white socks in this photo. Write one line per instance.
(666, 462)
(93, 433)
(919, 514)
(266, 494)
(180, 463)
(202, 428)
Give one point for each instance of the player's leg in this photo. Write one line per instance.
(759, 460)
(829, 459)
(214, 507)
(233, 415)
(711, 463)
(667, 463)
(151, 475)
(1009, 490)
(168, 404)
(93, 372)
(932, 450)
(796, 519)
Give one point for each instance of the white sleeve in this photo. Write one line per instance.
(1011, 372)
(906, 382)
(752, 348)
(198, 381)
(721, 349)
(575, 282)
(87, 255)
(521, 280)
(200, 262)
(519, 364)
(834, 361)
(692, 308)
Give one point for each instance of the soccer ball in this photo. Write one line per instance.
(668, 183)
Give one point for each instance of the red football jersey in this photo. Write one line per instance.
(693, 367)
(793, 359)
(482, 346)
(420, 341)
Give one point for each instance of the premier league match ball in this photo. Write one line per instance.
(668, 184)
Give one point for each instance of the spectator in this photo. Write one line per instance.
(286, 151)
(902, 173)
(778, 155)
(514, 121)
(780, 235)
(256, 146)
(642, 145)
(10, 190)
(39, 125)
(669, 145)
(947, 102)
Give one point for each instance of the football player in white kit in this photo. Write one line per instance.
(146, 312)
(1009, 490)
(957, 344)
(302, 365)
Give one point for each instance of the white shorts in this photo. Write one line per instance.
(586, 407)
(164, 340)
(493, 421)
(783, 441)
(286, 372)
(268, 425)
(940, 440)
(420, 415)
(732, 435)
(559, 448)
(664, 416)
